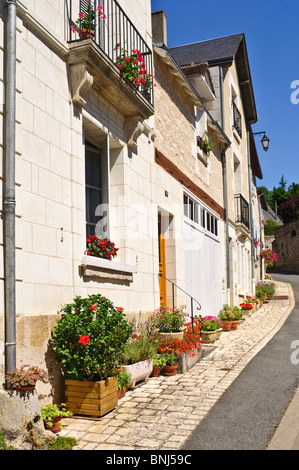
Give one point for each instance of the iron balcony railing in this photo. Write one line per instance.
(241, 210)
(237, 124)
(105, 23)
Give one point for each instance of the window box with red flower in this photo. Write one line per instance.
(98, 262)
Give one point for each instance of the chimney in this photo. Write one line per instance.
(159, 26)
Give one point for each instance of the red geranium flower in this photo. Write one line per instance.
(84, 340)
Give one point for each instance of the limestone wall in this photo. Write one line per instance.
(286, 244)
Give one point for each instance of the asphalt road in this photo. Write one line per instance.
(247, 414)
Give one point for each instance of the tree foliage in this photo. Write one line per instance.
(285, 198)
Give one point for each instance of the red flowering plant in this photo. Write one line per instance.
(86, 19)
(189, 344)
(100, 247)
(89, 338)
(246, 306)
(133, 68)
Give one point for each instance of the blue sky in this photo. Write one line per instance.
(272, 38)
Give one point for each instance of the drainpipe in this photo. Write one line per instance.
(224, 166)
(223, 156)
(9, 203)
(250, 212)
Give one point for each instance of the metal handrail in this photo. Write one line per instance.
(192, 298)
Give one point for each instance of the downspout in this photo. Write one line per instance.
(223, 157)
(9, 203)
(250, 213)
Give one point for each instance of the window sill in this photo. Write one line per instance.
(98, 268)
(203, 157)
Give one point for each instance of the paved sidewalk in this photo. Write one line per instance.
(162, 413)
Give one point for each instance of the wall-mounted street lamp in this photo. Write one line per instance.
(265, 140)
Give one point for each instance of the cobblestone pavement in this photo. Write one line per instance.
(161, 413)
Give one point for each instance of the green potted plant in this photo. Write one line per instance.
(169, 322)
(88, 340)
(100, 247)
(159, 362)
(52, 416)
(210, 329)
(25, 377)
(227, 317)
(122, 383)
(171, 363)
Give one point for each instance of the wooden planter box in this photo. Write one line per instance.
(91, 398)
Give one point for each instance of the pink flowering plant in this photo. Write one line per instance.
(100, 247)
(210, 323)
(86, 19)
(168, 320)
(89, 338)
(27, 375)
(133, 69)
(205, 143)
(230, 313)
(270, 257)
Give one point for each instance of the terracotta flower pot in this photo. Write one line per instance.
(235, 324)
(86, 33)
(121, 393)
(226, 325)
(156, 371)
(55, 428)
(170, 370)
(25, 388)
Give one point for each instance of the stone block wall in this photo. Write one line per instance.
(286, 244)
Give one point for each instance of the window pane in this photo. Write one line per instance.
(93, 169)
(93, 199)
(216, 227)
(185, 205)
(208, 222)
(196, 209)
(203, 218)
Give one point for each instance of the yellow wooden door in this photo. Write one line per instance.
(162, 269)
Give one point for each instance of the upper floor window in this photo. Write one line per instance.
(200, 215)
(237, 119)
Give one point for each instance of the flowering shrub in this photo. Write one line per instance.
(189, 344)
(230, 313)
(133, 68)
(205, 144)
(246, 306)
(168, 320)
(251, 300)
(86, 20)
(210, 323)
(26, 375)
(89, 338)
(100, 247)
(270, 257)
(265, 287)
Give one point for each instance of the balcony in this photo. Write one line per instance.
(241, 211)
(237, 120)
(100, 34)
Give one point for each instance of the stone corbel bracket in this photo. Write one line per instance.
(81, 82)
(134, 127)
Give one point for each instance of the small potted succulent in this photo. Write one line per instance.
(52, 416)
(159, 362)
(25, 377)
(171, 363)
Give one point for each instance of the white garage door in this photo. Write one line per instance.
(202, 263)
